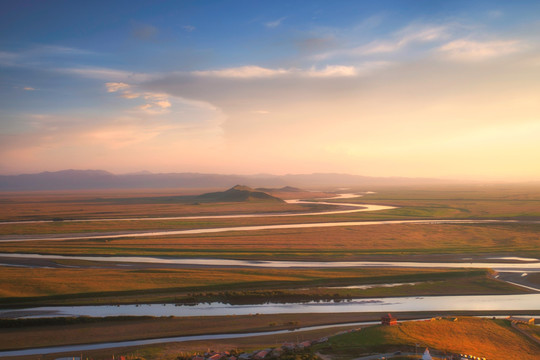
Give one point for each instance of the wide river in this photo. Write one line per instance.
(520, 302)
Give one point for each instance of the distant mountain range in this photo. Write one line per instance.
(99, 179)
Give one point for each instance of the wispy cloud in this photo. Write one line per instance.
(8, 58)
(406, 36)
(124, 89)
(275, 23)
(188, 28)
(245, 72)
(144, 31)
(257, 72)
(106, 74)
(154, 103)
(332, 71)
(116, 86)
(472, 50)
(412, 34)
(28, 88)
(58, 50)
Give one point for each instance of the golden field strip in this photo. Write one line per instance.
(25, 287)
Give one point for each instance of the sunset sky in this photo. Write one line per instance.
(447, 89)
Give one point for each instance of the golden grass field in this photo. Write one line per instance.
(129, 203)
(336, 243)
(492, 339)
(102, 286)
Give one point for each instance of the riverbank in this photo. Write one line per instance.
(32, 287)
(127, 329)
(22, 334)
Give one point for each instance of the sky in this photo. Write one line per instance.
(439, 89)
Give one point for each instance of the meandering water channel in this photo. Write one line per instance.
(352, 207)
(523, 266)
(393, 304)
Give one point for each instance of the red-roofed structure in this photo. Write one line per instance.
(388, 320)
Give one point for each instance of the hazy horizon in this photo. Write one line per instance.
(419, 89)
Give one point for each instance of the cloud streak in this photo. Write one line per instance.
(275, 23)
(474, 51)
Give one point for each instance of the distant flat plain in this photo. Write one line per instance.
(82, 282)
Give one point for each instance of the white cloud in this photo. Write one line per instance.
(28, 88)
(106, 74)
(409, 35)
(59, 50)
(188, 28)
(155, 103)
(129, 95)
(257, 72)
(244, 72)
(399, 40)
(116, 86)
(332, 71)
(123, 89)
(471, 50)
(275, 23)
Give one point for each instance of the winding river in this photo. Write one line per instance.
(532, 265)
(521, 302)
(131, 234)
(352, 207)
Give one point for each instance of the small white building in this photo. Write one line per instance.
(427, 355)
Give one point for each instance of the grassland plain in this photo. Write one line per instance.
(492, 339)
(460, 201)
(467, 335)
(470, 202)
(399, 242)
(24, 334)
(17, 206)
(31, 287)
(337, 243)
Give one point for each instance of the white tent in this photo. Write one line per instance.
(427, 355)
